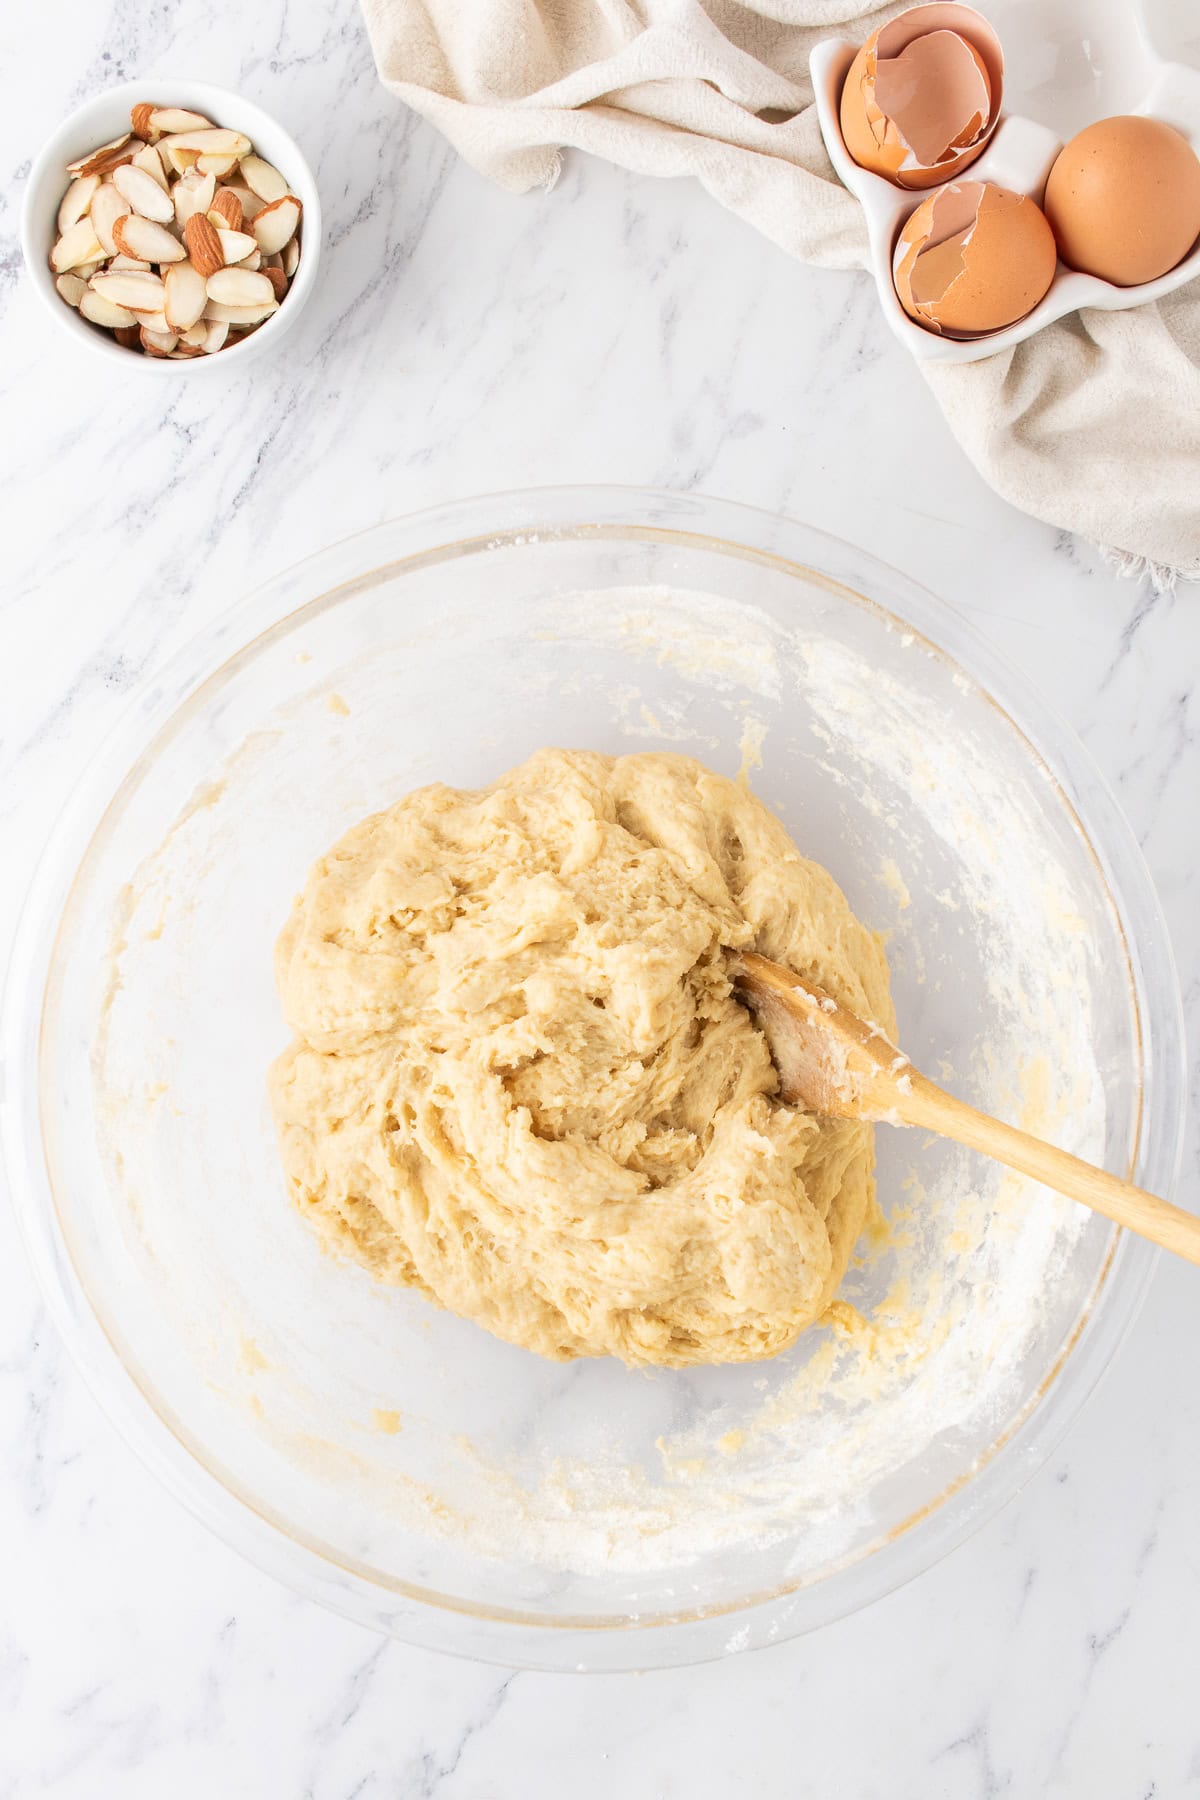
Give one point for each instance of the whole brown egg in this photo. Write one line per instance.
(1123, 199)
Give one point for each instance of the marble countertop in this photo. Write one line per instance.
(464, 340)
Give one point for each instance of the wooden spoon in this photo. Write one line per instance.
(832, 1062)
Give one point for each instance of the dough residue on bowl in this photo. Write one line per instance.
(521, 1084)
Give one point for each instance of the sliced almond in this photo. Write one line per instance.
(193, 194)
(176, 176)
(78, 244)
(103, 311)
(106, 156)
(211, 140)
(150, 163)
(158, 343)
(251, 204)
(187, 295)
(228, 208)
(263, 178)
(141, 293)
(142, 238)
(77, 199)
(180, 161)
(203, 244)
(72, 288)
(276, 224)
(222, 314)
(178, 118)
(236, 246)
(240, 287)
(220, 166)
(107, 207)
(143, 193)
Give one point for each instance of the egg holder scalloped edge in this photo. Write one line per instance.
(1018, 156)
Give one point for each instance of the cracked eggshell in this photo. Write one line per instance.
(973, 258)
(923, 95)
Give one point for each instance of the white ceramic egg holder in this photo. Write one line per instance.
(1019, 157)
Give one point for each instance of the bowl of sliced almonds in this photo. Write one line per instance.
(172, 223)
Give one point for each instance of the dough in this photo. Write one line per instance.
(520, 1083)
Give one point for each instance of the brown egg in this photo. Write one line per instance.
(973, 258)
(923, 94)
(1123, 200)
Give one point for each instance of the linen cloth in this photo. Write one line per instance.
(1092, 424)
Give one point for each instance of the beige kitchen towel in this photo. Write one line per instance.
(1092, 424)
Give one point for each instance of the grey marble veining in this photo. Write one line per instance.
(464, 340)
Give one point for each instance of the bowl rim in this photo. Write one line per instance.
(76, 132)
(503, 1636)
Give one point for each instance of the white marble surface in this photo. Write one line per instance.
(465, 340)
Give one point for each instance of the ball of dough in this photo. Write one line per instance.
(520, 1083)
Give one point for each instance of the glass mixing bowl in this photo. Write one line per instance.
(396, 1462)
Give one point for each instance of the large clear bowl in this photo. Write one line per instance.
(398, 1463)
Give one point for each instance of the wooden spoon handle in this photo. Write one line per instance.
(1170, 1226)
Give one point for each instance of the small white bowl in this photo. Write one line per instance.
(104, 117)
